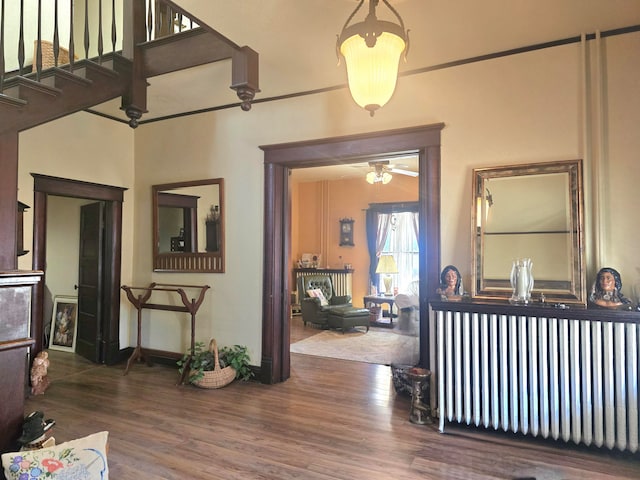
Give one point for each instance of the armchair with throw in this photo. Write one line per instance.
(316, 308)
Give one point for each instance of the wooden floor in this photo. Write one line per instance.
(332, 419)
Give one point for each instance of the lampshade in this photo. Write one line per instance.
(372, 50)
(386, 264)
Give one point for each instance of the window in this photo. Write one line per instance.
(393, 229)
(402, 243)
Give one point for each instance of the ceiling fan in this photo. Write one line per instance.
(382, 172)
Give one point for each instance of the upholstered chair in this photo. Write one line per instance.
(315, 310)
(408, 303)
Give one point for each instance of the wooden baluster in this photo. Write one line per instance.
(21, 40)
(100, 39)
(56, 38)
(149, 22)
(86, 29)
(113, 26)
(38, 59)
(161, 19)
(72, 47)
(179, 22)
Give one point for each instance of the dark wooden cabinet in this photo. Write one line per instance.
(16, 289)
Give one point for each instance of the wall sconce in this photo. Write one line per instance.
(372, 50)
(482, 208)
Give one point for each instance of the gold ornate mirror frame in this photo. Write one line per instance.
(529, 211)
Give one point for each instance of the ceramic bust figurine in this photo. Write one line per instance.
(450, 282)
(607, 289)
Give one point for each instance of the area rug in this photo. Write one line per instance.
(382, 346)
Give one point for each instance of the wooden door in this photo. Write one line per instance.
(89, 337)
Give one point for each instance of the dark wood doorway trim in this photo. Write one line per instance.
(43, 186)
(278, 160)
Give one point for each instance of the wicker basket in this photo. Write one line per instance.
(218, 377)
(48, 57)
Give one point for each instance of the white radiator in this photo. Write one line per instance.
(574, 380)
(341, 279)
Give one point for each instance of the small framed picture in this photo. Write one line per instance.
(64, 322)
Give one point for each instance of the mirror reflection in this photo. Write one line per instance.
(531, 211)
(188, 226)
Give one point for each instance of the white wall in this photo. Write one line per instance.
(518, 109)
(63, 240)
(617, 219)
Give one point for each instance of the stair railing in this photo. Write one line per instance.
(92, 19)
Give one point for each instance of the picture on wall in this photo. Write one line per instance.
(64, 323)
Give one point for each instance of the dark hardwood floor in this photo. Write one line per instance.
(332, 419)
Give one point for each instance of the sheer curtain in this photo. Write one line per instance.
(377, 232)
(402, 242)
(392, 230)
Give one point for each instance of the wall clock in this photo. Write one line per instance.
(346, 232)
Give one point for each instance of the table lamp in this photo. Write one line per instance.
(387, 266)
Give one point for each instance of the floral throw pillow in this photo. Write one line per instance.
(81, 459)
(317, 293)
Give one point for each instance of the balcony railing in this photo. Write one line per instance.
(63, 31)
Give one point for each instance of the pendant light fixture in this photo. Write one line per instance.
(372, 50)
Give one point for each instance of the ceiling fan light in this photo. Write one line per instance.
(386, 178)
(371, 177)
(372, 72)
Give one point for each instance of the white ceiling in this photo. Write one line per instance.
(295, 40)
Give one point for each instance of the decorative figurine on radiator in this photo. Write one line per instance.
(39, 378)
(450, 284)
(607, 290)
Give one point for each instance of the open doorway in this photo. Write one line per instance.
(332, 208)
(279, 159)
(109, 199)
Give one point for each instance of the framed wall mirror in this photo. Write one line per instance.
(188, 226)
(529, 211)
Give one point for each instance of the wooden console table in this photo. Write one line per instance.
(141, 302)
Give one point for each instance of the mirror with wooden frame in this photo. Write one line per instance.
(529, 211)
(188, 226)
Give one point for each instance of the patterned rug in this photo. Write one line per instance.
(380, 346)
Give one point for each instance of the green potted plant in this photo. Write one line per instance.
(203, 360)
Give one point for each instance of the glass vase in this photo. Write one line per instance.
(521, 280)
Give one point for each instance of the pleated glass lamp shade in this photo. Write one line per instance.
(372, 72)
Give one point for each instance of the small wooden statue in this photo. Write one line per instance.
(39, 378)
